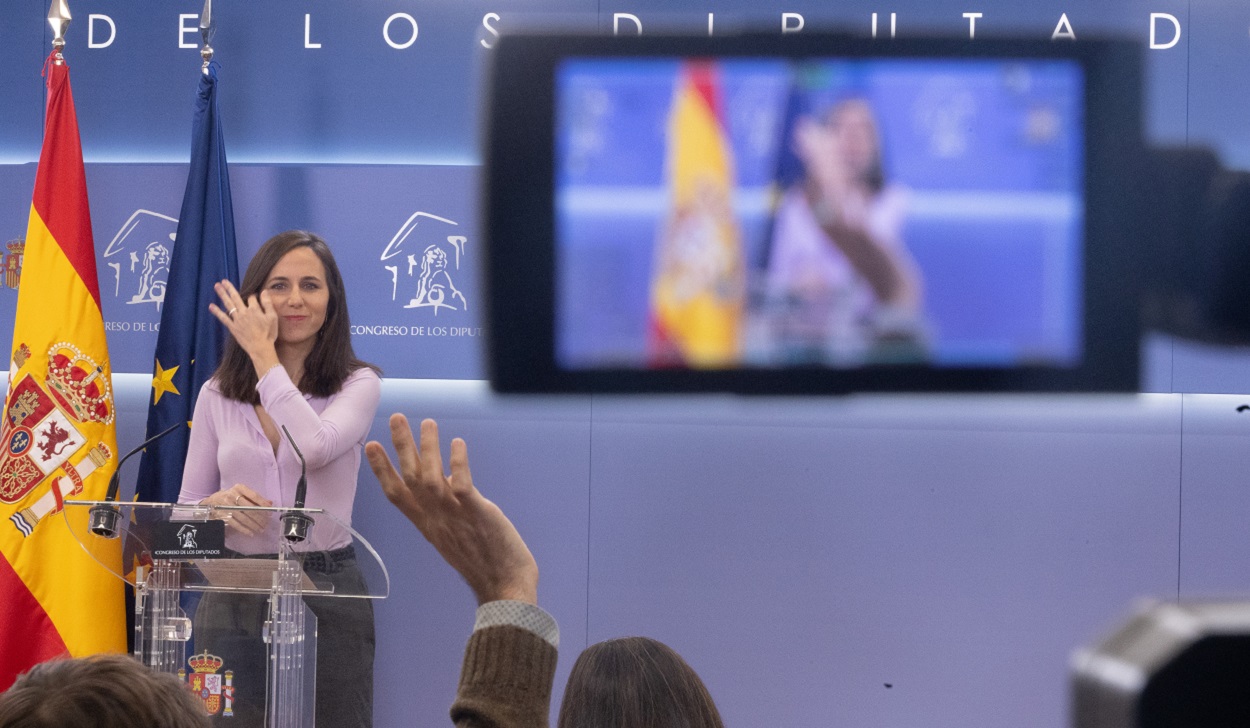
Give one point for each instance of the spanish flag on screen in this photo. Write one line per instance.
(58, 432)
(697, 285)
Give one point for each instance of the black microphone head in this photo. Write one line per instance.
(295, 527)
(103, 521)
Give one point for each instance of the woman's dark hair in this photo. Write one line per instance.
(102, 691)
(331, 360)
(635, 682)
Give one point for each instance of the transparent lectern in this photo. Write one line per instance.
(226, 602)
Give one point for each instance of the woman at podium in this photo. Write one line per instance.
(289, 365)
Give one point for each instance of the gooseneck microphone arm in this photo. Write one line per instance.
(103, 519)
(115, 481)
(301, 488)
(295, 526)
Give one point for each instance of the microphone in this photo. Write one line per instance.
(295, 526)
(103, 519)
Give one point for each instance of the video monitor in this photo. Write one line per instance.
(766, 214)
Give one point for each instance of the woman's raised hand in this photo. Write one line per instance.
(252, 322)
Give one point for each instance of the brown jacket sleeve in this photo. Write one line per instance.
(505, 681)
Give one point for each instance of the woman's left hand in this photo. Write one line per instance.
(253, 323)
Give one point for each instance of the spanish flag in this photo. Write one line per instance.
(58, 431)
(698, 279)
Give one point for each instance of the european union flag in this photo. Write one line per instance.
(788, 169)
(189, 345)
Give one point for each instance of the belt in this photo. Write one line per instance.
(324, 562)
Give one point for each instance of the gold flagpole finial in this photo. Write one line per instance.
(58, 18)
(208, 28)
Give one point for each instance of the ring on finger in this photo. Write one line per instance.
(236, 499)
(230, 313)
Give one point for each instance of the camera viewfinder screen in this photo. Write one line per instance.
(843, 213)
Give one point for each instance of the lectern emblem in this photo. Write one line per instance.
(216, 694)
(186, 537)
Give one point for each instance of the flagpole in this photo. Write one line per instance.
(208, 28)
(58, 18)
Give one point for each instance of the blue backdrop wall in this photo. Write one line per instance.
(889, 561)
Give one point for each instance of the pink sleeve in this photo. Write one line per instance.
(200, 477)
(342, 425)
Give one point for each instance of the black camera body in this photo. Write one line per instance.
(1195, 228)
